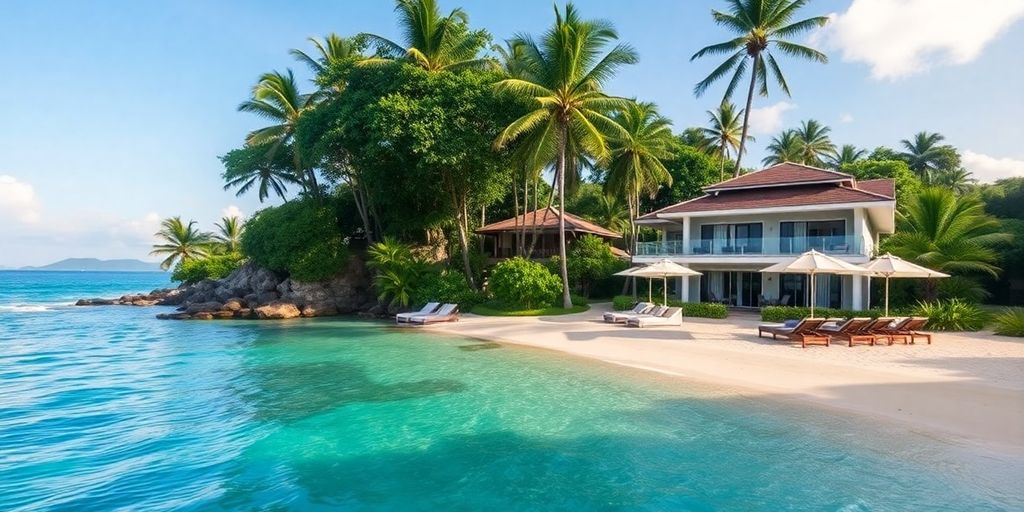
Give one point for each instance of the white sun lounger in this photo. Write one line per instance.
(618, 317)
(670, 316)
(428, 309)
(447, 313)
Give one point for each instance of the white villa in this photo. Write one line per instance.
(742, 225)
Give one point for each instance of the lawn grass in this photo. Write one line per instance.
(489, 310)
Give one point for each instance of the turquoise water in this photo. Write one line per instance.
(106, 408)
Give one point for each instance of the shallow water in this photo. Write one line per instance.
(107, 408)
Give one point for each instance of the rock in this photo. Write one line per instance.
(277, 310)
(174, 316)
(143, 302)
(223, 293)
(234, 304)
(251, 299)
(204, 307)
(243, 313)
(96, 302)
(223, 314)
(202, 316)
(267, 297)
(377, 310)
(326, 308)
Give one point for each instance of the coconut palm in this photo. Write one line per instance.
(430, 40)
(949, 233)
(784, 147)
(612, 214)
(760, 26)
(724, 133)
(250, 167)
(635, 164)
(565, 70)
(958, 180)
(276, 97)
(181, 242)
(331, 50)
(924, 154)
(815, 144)
(229, 234)
(695, 137)
(848, 154)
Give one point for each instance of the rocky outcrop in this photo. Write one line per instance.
(255, 292)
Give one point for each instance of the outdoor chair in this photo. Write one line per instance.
(908, 329)
(426, 310)
(670, 316)
(806, 331)
(852, 330)
(447, 313)
(620, 317)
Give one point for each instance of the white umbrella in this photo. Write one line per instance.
(812, 263)
(631, 272)
(664, 269)
(889, 266)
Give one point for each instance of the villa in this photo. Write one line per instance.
(500, 237)
(744, 224)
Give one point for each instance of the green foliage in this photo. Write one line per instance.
(691, 170)
(701, 309)
(180, 242)
(299, 238)
(907, 183)
(623, 302)
(783, 313)
(492, 309)
(446, 287)
(524, 284)
(1010, 322)
(213, 267)
(952, 315)
(257, 166)
(399, 272)
(1005, 198)
(963, 288)
(591, 264)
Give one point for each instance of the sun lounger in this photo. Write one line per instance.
(619, 317)
(447, 313)
(853, 331)
(426, 310)
(806, 331)
(908, 329)
(670, 316)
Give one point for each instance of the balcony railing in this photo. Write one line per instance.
(764, 246)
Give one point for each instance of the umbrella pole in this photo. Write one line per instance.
(664, 291)
(649, 281)
(886, 295)
(812, 294)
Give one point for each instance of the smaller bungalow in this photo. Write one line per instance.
(500, 237)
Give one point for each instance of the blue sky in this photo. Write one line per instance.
(116, 111)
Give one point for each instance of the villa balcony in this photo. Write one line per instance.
(753, 248)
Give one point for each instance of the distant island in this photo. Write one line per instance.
(94, 264)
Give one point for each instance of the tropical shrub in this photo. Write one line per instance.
(1010, 322)
(447, 286)
(952, 315)
(399, 272)
(518, 282)
(783, 313)
(213, 267)
(579, 300)
(963, 288)
(590, 263)
(701, 309)
(623, 302)
(299, 238)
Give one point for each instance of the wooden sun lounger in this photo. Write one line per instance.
(671, 316)
(853, 331)
(805, 332)
(619, 317)
(447, 313)
(908, 329)
(426, 310)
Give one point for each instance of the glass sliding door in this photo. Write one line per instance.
(793, 289)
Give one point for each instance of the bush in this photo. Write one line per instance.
(963, 288)
(1010, 322)
(590, 265)
(447, 287)
(579, 300)
(952, 315)
(299, 238)
(701, 309)
(783, 313)
(623, 302)
(400, 274)
(212, 267)
(520, 283)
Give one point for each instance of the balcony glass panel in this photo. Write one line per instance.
(770, 246)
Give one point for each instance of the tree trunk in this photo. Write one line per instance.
(560, 176)
(551, 200)
(361, 208)
(462, 219)
(515, 215)
(746, 117)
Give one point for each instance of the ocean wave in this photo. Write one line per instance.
(23, 308)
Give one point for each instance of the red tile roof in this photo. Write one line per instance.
(786, 173)
(547, 218)
(774, 197)
(885, 186)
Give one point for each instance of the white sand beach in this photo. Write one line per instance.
(965, 387)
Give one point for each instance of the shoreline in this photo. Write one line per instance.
(924, 388)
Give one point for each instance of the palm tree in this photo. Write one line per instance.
(612, 214)
(815, 144)
(958, 180)
(331, 50)
(784, 147)
(250, 167)
(635, 164)
(695, 137)
(564, 75)
(848, 154)
(181, 242)
(949, 233)
(430, 40)
(923, 153)
(760, 26)
(276, 97)
(724, 132)
(229, 234)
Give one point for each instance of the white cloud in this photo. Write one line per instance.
(768, 120)
(988, 168)
(845, 117)
(904, 37)
(18, 199)
(232, 211)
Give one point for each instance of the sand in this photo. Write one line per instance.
(965, 388)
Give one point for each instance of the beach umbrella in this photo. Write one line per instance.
(888, 266)
(813, 263)
(664, 269)
(631, 272)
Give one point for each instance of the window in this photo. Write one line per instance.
(730, 238)
(821, 235)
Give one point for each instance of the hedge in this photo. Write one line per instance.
(783, 313)
(690, 309)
